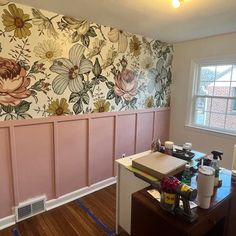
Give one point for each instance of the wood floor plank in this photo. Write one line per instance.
(71, 220)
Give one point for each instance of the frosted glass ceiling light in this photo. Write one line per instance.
(176, 3)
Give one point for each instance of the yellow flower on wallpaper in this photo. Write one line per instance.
(101, 106)
(147, 63)
(48, 50)
(135, 46)
(149, 102)
(15, 20)
(58, 108)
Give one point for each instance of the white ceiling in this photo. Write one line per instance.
(154, 18)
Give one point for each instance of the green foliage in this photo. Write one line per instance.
(16, 112)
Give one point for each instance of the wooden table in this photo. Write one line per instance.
(220, 219)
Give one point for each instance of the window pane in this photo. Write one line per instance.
(231, 106)
(202, 118)
(207, 73)
(234, 73)
(223, 73)
(222, 89)
(203, 104)
(217, 120)
(206, 88)
(230, 123)
(219, 105)
(214, 97)
(233, 89)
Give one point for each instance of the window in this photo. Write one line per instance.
(234, 102)
(213, 103)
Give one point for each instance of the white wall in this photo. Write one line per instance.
(205, 141)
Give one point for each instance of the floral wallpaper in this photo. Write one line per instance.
(52, 64)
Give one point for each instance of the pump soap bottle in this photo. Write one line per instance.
(216, 165)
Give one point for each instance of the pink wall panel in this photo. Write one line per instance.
(162, 122)
(125, 136)
(35, 160)
(6, 191)
(72, 155)
(58, 155)
(101, 156)
(144, 131)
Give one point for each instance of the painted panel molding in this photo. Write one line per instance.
(59, 155)
(58, 65)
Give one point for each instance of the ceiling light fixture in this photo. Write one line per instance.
(176, 3)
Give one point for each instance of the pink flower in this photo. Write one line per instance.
(126, 84)
(13, 82)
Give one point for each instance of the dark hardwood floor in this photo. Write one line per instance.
(92, 215)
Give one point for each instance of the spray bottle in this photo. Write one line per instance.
(216, 165)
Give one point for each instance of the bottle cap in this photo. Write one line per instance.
(169, 144)
(187, 146)
(206, 170)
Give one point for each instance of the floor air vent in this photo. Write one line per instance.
(30, 208)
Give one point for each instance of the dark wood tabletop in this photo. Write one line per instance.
(219, 219)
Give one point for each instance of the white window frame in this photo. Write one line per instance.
(196, 64)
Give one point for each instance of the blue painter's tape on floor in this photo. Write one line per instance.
(15, 232)
(99, 222)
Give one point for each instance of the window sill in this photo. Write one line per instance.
(210, 131)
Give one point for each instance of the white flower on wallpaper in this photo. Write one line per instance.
(70, 71)
(54, 65)
(120, 37)
(48, 50)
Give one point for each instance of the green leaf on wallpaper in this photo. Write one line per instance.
(133, 102)
(169, 76)
(78, 107)
(97, 70)
(74, 97)
(165, 56)
(102, 78)
(34, 95)
(7, 109)
(117, 99)
(24, 116)
(22, 107)
(85, 98)
(110, 94)
(10, 117)
(159, 65)
(110, 84)
(91, 32)
(75, 37)
(85, 40)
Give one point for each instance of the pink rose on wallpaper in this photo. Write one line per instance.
(126, 84)
(13, 82)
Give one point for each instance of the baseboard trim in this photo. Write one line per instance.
(79, 193)
(11, 220)
(7, 221)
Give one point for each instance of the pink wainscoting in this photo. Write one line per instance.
(161, 121)
(72, 155)
(6, 191)
(144, 131)
(58, 155)
(101, 151)
(125, 135)
(35, 157)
